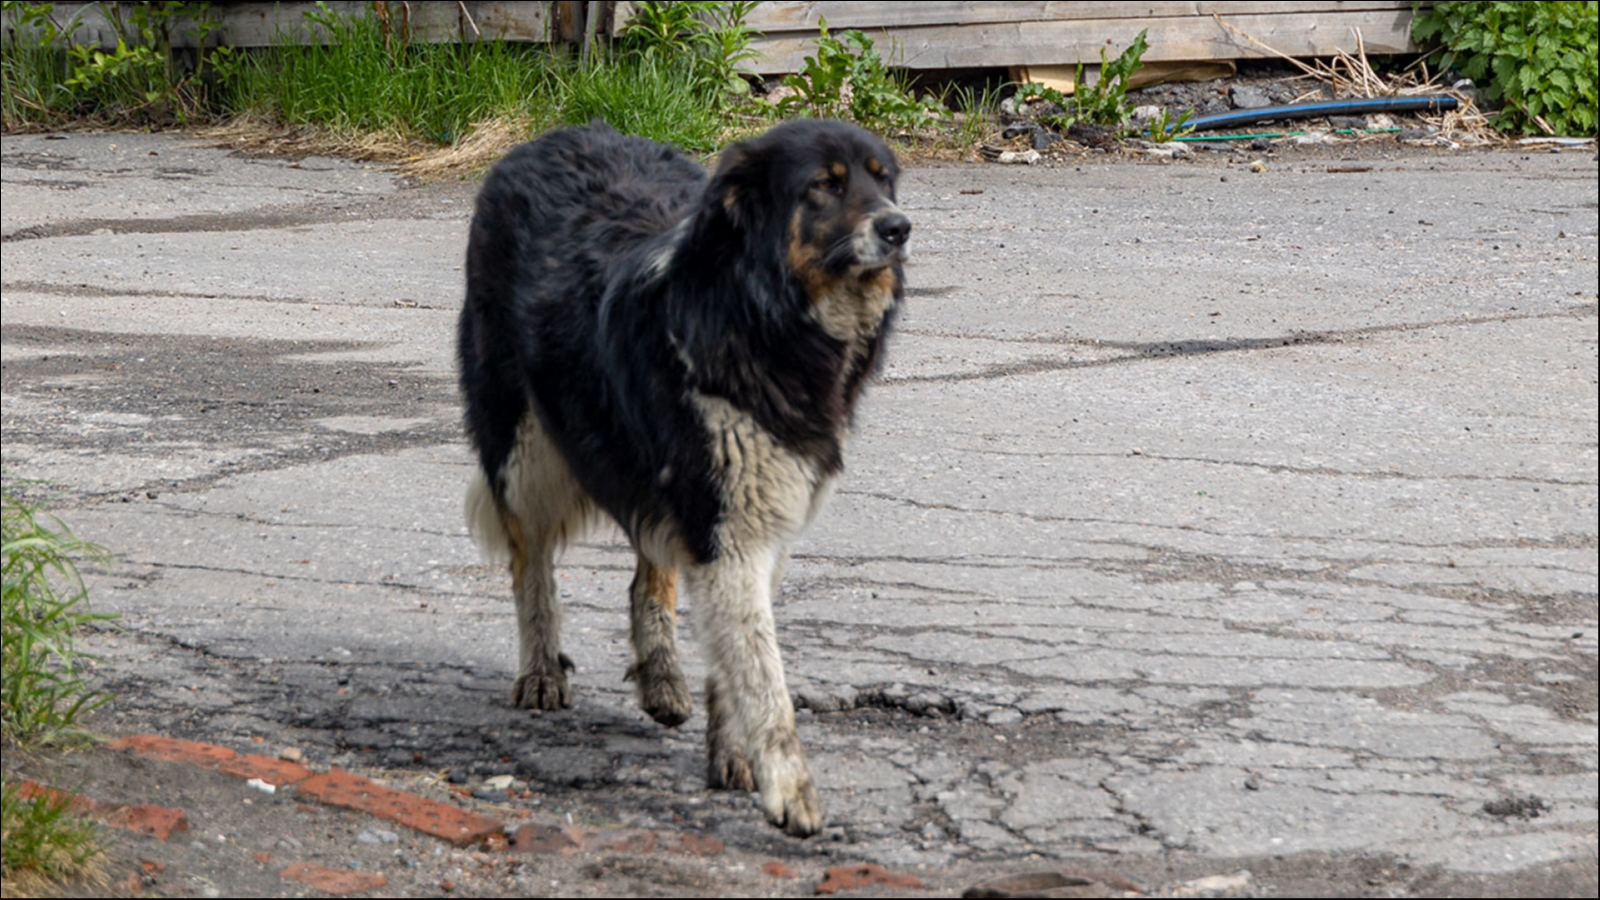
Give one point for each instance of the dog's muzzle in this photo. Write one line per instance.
(882, 238)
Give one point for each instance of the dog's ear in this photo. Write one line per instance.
(734, 187)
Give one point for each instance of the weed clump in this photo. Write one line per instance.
(44, 687)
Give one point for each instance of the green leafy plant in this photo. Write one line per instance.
(1106, 101)
(1103, 103)
(109, 79)
(43, 684)
(33, 67)
(848, 78)
(711, 38)
(1539, 58)
(48, 76)
(1164, 128)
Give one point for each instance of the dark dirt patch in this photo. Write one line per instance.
(1529, 807)
(164, 390)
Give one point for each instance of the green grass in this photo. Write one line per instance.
(43, 838)
(33, 86)
(43, 685)
(641, 96)
(357, 81)
(44, 689)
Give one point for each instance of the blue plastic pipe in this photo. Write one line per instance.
(1238, 117)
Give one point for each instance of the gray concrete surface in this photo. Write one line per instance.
(1201, 516)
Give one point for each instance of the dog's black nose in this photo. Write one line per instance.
(893, 229)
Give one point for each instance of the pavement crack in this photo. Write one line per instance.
(1141, 351)
(285, 576)
(90, 290)
(1278, 467)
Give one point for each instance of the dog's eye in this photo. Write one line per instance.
(829, 184)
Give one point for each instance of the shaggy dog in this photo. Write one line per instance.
(680, 354)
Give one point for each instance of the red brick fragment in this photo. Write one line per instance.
(263, 857)
(544, 839)
(779, 870)
(206, 756)
(340, 788)
(160, 822)
(333, 881)
(77, 804)
(849, 878)
(275, 772)
(634, 842)
(701, 845)
(143, 818)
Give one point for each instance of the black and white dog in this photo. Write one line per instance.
(682, 354)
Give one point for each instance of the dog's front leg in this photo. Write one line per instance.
(751, 730)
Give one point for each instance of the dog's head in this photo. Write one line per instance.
(822, 190)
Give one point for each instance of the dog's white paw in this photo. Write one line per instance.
(793, 806)
(788, 794)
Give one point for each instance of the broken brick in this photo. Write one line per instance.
(206, 756)
(779, 870)
(340, 788)
(635, 842)
(142, 818)
(77, 804)
(160, 822)
(849, 878)
(701, 845)
(275, 772)
(543, 839)
(333, 881)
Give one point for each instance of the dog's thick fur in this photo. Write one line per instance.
(681, 354)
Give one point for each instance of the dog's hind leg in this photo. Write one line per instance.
(751, 735)
(542, 671)
(540, 506)
(656, 674)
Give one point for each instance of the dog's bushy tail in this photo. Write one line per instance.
(483, 520)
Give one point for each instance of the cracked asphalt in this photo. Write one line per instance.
(1201, 520)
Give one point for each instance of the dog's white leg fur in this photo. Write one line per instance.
(768, 498)
(747, 690)
(542, 508)
(656, 673)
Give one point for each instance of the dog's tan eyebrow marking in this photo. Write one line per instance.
(874, 166)
(839, 169)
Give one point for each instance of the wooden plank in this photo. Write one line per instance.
(1064, 78)
(1064, 42)
(257, 24)
(776, 18)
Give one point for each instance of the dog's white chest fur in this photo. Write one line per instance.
(769, 493)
